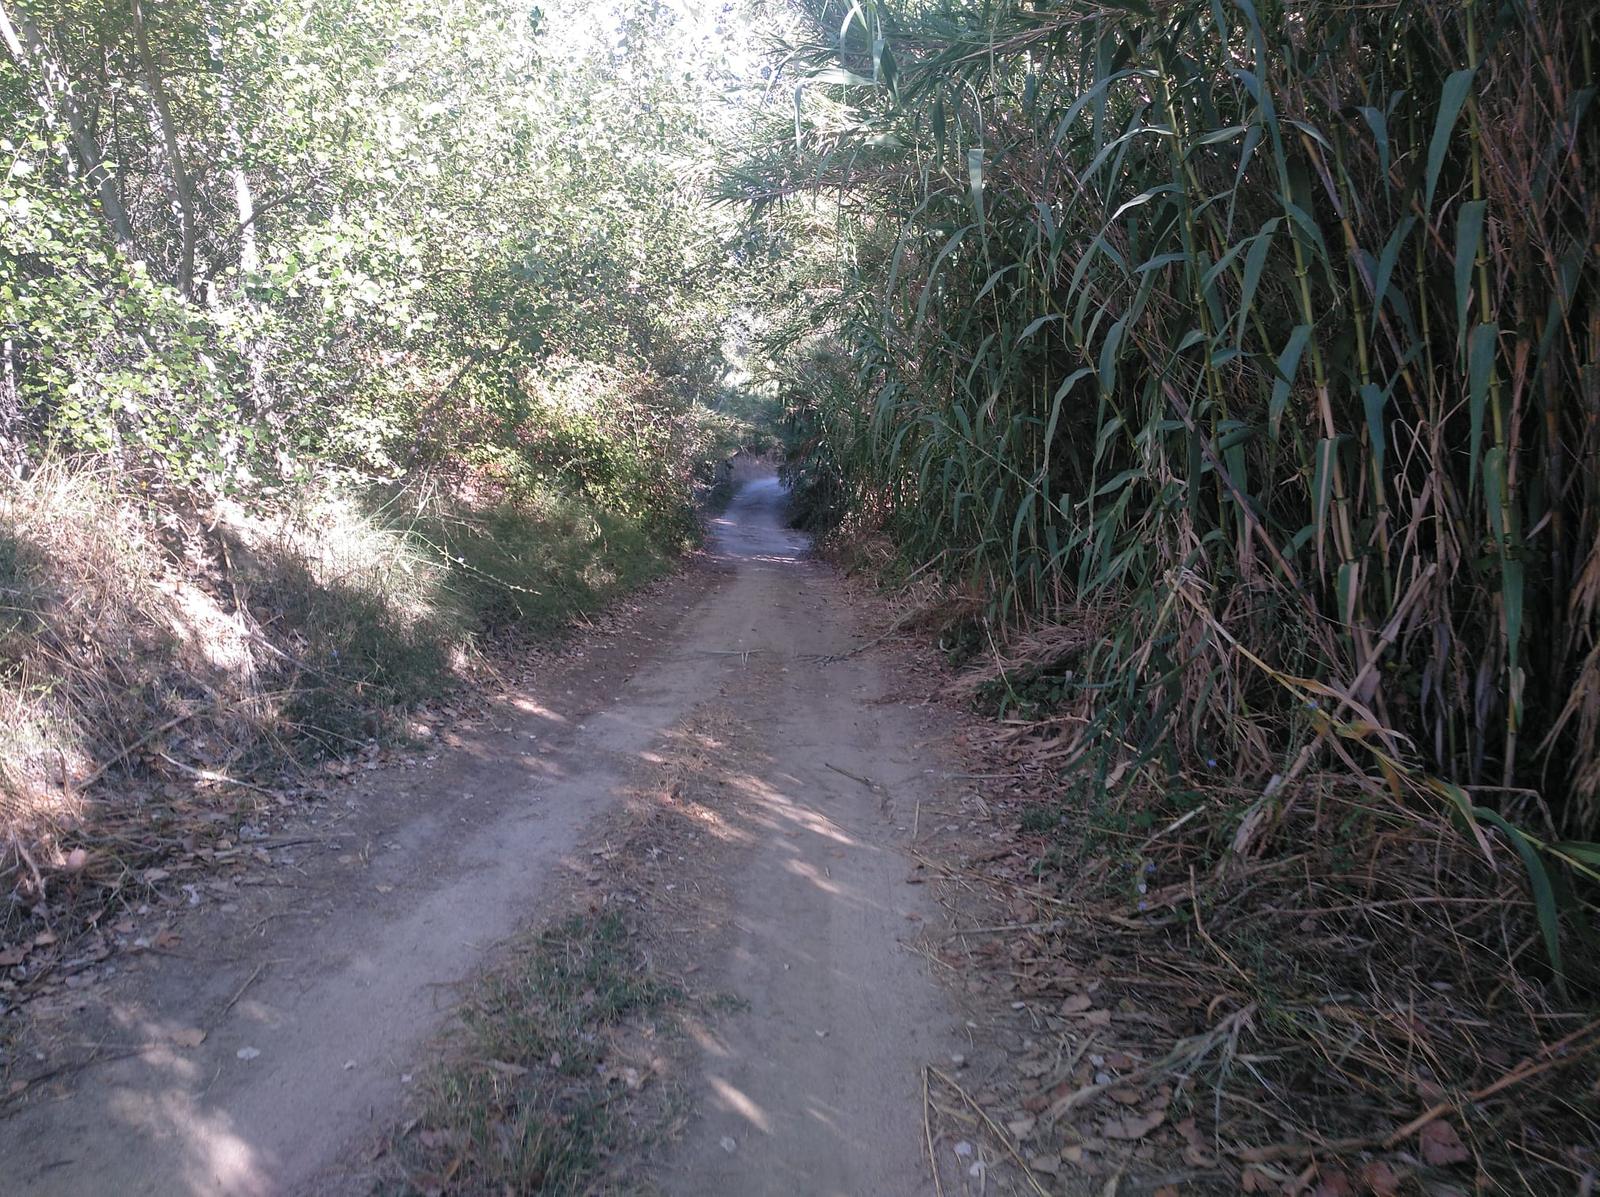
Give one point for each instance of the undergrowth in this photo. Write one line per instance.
(1239, 358)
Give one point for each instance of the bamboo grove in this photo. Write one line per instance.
(1263, 336)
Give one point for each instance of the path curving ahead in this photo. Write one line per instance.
(318, 995)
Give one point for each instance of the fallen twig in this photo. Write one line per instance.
(994, 1129)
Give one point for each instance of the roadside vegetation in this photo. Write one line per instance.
(1221, 380)
(338, 344)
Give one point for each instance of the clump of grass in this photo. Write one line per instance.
(356, 619)
(1039, 818)
(86, 642)
(524, 1107)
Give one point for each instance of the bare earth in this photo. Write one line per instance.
(319, 992)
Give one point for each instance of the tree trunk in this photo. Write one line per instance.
(244, 202)
(53, 93)
(12, 454)
(182, 186)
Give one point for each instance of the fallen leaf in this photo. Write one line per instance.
(13, 955)
(1380, 1179)
(76, 859)
(1077, 1004)
(1197, 1152)
(1255, 1181)
(1134, 1126)
(188, 1037)
(506, 1069)
(44, 939)
(1441, 1145)
(1335, 1184)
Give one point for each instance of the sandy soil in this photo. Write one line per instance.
(320, 989)
(816, 1089)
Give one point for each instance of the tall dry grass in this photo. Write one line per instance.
(147, 648)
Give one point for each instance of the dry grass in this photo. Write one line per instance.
(1322, 993)
(160, 666)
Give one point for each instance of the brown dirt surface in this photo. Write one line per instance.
(263, 1038)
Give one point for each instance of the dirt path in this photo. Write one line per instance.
(816, 1088)
(319, 997)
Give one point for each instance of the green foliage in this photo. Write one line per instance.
(535, 563)
(435, 296)
(359, 235)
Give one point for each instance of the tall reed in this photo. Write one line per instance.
(1270, 327)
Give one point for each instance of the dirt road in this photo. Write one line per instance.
(318, 998)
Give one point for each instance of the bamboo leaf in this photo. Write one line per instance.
(1288, 365)
(1374, 399)
(1108, 357)
(1544, 897)
(1386, 264)
(975, 182)
(1469, 236)
(1453, 95)
(1254, 264)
